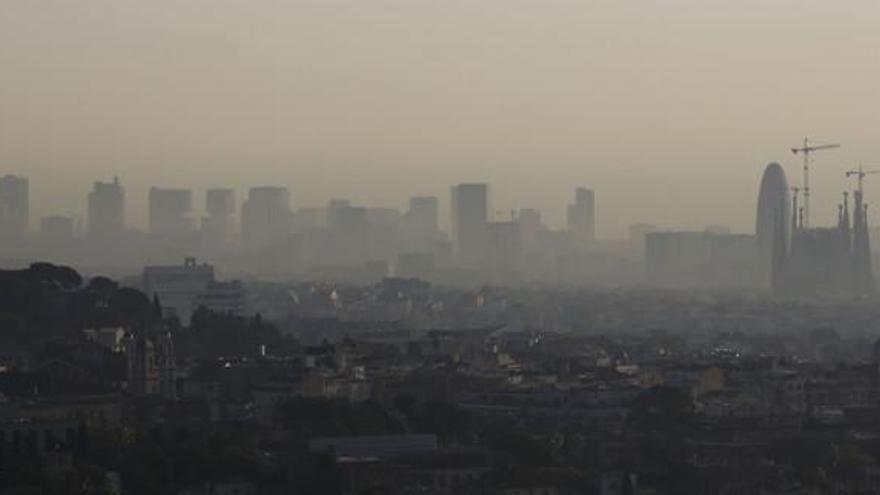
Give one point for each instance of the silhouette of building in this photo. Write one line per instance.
(421, 222)
(14, 206)
(106, 209)
(582, 217)
(773, 202)
(504, 246)
(470, 218)
(178, 286)
(824, 261)
(351, 231)
(225, 298)
(529, 221)
(170, 212)
(265, 217)
(637, 233)
(218, 222)
(333, 207)
(151, 363)
(700, 259)
(386, 225)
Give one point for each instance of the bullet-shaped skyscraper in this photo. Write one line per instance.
(773, 213)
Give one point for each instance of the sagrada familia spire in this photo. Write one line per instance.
(824, 261)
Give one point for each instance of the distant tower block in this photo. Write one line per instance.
(582, 217)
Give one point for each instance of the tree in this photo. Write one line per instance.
(64, 277)
(102, 287)
(132, 305)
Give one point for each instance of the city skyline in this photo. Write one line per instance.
(377, 102)
(439, 247)
(554, 215)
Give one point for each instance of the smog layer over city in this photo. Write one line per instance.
(483, 247)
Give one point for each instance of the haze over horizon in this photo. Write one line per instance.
(668, 109)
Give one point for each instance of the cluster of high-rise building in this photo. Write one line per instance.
(784, 254)
(264, 234)
(343, 241)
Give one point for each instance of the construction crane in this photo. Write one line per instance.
(860, 175)
(806, 149)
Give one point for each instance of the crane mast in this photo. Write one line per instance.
(806, 149)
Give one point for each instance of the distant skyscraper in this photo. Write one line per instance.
(582, 217)
(470, 217)
(421, 222)
(106, 215)
(170, 211)
(219, 209)
(265, 216)
(14, 206)
(773, 207)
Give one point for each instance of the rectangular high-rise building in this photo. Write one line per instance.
(265, 216)
(421, 222)
(170, 211)
(106, 215)
(14, 206)
(582, 217)
(219, 209)
(220, 203)
(470, 217)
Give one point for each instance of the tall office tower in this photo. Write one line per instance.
(219, 209)
(265, 216)
(106, 215)
(421, 222)
(470, 217)
(170, 212)
(14, 206)
(582, 217)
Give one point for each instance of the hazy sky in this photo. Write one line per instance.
(669, 109)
